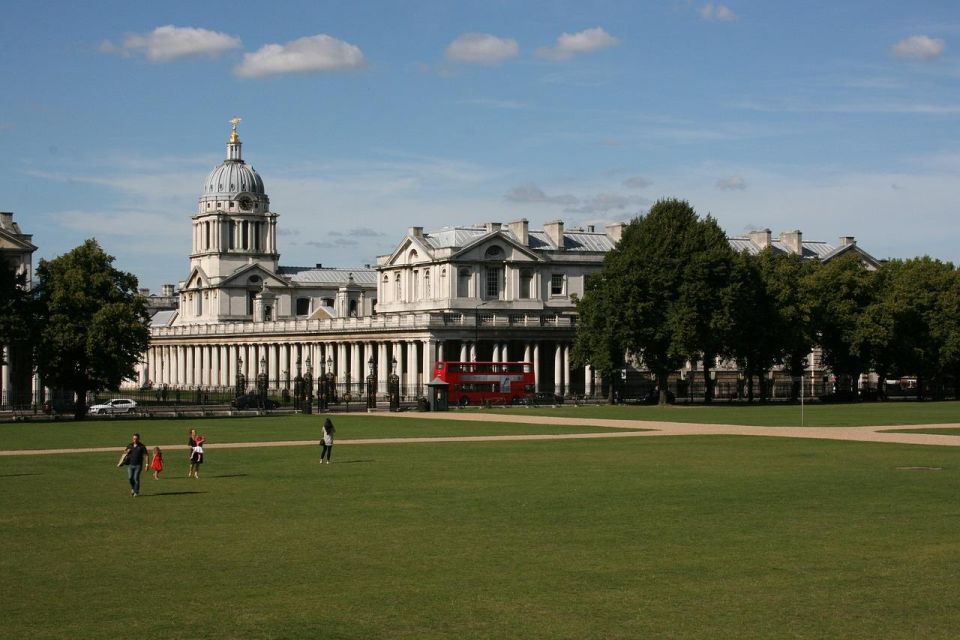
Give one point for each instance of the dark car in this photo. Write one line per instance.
(253, 401)
(653, 397)
(542, 398)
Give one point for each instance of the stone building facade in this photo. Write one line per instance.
(16, 368)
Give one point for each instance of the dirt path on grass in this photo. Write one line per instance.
(624, 429)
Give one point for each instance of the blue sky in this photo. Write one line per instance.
(365, 118)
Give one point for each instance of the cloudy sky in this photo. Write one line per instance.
(365, 118)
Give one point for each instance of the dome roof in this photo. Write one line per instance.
(233, 177)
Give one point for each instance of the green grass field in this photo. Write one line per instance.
(771, 415)
(159, 432)
(697, 537)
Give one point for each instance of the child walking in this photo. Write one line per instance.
(157, 464)
(327, 442)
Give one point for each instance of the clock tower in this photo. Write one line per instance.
(233, 226)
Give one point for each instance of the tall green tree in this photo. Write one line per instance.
(94, 323)
(701, 320)
(648, 268)
(599, 341)
(18, 332)
(841, 290)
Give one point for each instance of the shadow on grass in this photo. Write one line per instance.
(17, 475)
(169, 493)
(354, 461)
(230, 475)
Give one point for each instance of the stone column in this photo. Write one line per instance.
(463, 351)
(285, 366)
(231, 365)
(526, 352)
(440, 353)
(356, 367)
(536, 366)
(588, 381)
(214, 366)
(504, 353)
(473, 352)
(558, 369)
(341, 362)
(495, 357)
(181, 376)
(383, 367)
(566, 370)
(412, 365)
(429, 359)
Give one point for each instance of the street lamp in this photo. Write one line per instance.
(331, 396)
(371, 386)
(308, 388)
(394, 386)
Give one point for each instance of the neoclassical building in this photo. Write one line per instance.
(486, 292)
(491, 291)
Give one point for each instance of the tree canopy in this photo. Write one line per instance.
(93, 322)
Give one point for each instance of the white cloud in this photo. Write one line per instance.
(170, 42)
(310, 54)
(481, 48)
(732, 183)
(923, 47)
(718, 12)
(571, 44)
(637, 182)
(604, 202)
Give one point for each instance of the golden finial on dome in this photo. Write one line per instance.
(233, 135)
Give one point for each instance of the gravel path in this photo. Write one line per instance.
(626, 429)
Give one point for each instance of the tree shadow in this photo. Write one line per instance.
(230, 475)
(17, 475)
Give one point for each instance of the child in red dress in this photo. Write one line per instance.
(157, 464)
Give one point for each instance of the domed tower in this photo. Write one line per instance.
(233, 226)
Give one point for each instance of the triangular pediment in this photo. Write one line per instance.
(404, 253)
(11, 242)
(483, 249)
(241, 277)
(196, 280)
(865, 258)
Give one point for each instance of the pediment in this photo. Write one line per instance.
(404, 253)
(196, 280)
(241, 277)
(10, 242)
(484, 249)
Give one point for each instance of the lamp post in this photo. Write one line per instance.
(241, 380)
(262, 381)
(371, 385)
(322, 387)
(394, 386)
(298, 388)
(331, 390)
(308, 388)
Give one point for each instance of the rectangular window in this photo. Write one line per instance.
(494, 282)
(556, 284)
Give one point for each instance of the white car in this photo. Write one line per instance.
(120, 405)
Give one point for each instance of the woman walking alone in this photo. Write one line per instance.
(327, 441)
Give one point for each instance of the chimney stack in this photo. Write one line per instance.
(416, 232)
(760, 237)
(492, 226)
(615, 231)
(793, 240)
(521, 229)
(554, 231)
(167, 290)
(847, 240)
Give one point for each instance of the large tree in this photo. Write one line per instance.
(18, 331)
(599, 341)
(639, 303)
(94, 323)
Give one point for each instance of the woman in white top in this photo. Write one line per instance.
(327, 442)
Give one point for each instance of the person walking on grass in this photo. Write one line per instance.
(137, 457)
(157, 463)
(327, 441)
(196, 454)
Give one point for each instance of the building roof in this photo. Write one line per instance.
(573, 239)
(333, 277)
(163, 318)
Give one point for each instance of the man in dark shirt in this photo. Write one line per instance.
(137, 457)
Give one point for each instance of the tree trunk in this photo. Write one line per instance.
(762, 379)
(749, 373)
(707, 382)
(662, 384)
(80, 406)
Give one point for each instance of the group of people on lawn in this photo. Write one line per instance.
(135, 456)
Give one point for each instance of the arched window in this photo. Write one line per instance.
(386, 287)
(353, 309)
(412, 256)
(397, 289)
(426, 284)
(493, 253)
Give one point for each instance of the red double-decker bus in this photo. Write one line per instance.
(493, 382)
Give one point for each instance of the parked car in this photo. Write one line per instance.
(252, 401)
(541, 398)
(118, 405)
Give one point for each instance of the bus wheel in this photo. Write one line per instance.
(515, 400)
(464, 401)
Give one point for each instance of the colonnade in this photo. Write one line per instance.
(413, 360)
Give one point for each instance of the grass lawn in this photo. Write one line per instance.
(696, 537)
(772, 415)
(159, 432)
